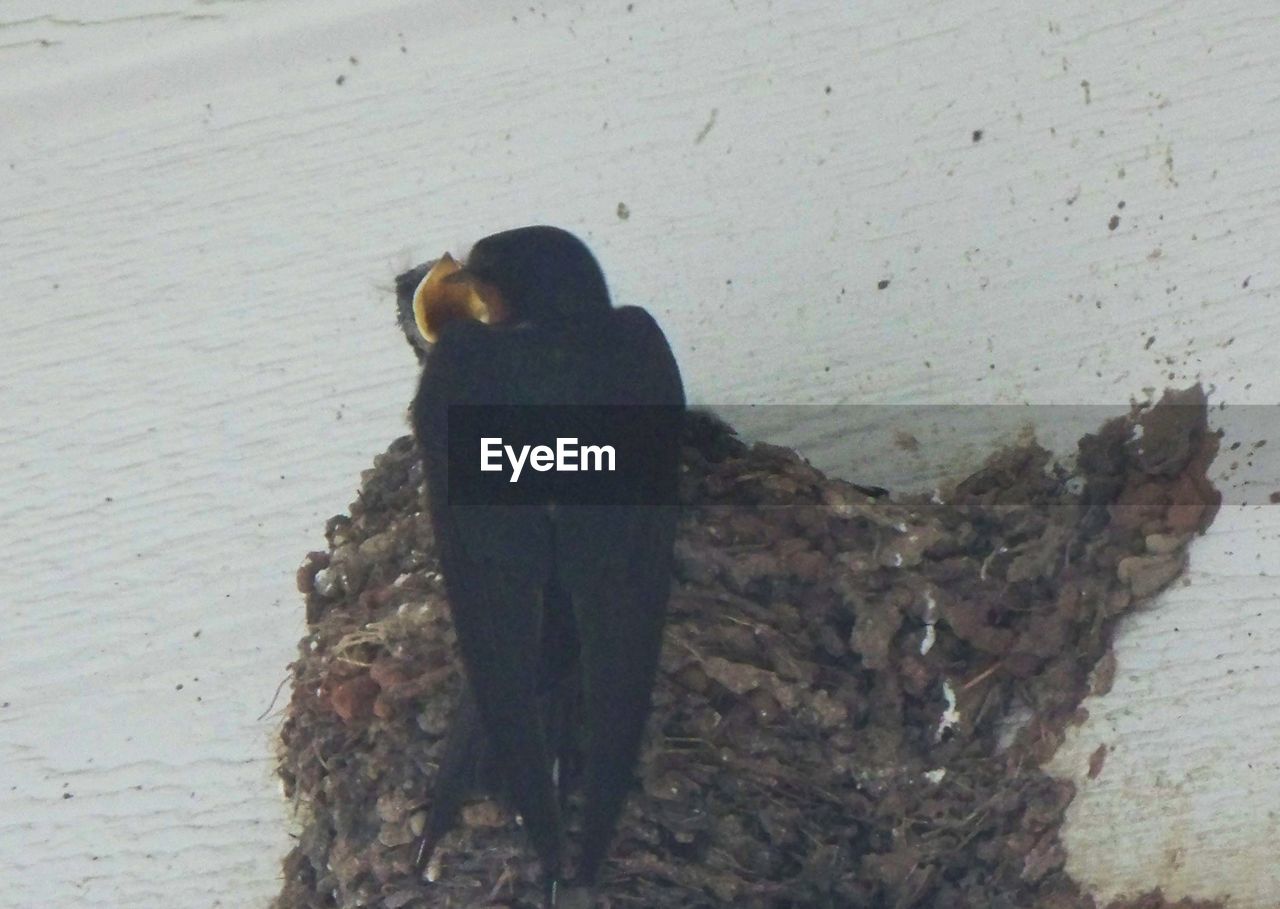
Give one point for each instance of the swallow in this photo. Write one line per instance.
(558, 606)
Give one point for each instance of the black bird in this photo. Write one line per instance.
(553, 600)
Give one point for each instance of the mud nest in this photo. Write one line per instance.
(856, 700)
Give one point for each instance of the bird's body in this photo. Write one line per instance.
(555, 600)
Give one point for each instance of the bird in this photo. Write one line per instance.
(557, 588)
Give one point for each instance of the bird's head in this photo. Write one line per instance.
(535, 275)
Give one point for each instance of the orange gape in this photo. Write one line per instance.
(447, 293)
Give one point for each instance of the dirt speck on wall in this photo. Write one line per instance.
(857, 695)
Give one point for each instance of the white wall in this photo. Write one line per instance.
(198, 231)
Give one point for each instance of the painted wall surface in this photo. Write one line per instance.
(203, 204)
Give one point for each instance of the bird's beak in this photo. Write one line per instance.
(449, 292)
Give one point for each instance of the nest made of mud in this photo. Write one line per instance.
(856, 699)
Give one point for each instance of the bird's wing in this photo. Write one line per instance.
(615, 561)
(496, 561)
(612, 559)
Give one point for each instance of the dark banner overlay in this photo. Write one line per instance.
(566, 455)
(921, 449)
